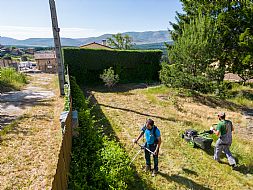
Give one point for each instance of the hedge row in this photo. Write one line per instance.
(97, 162)
(131, 65)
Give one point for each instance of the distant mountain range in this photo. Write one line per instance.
(148, 37)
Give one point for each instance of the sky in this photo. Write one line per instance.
(22, 19)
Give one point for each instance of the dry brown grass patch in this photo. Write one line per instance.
(29, 152)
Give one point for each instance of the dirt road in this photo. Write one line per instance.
(16, 103)
(29, 150)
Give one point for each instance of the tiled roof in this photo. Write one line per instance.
(44, 55)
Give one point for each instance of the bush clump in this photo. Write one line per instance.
(109, 78)
(10, 79)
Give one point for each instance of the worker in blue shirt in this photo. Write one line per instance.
(153, 143)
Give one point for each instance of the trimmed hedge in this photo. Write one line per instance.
(131, 65)
(97, 163)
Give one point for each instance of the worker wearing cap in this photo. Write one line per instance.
(224, 132)
(153, 143)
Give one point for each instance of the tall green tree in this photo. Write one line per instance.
(233, 19)
(243, 59)
(120, 41)
(191, 55)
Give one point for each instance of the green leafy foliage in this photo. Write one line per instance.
(118, 41)
(115, 165)
(109, 78)
(86, 65)
(234, 26)
(191, 57)
(97, 162)
(66, 98)
(78, 99)
(243, 66)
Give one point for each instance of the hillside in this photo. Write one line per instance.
(138, 38)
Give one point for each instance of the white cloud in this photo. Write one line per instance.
(19, 32)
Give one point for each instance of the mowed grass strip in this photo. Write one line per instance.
(181, 166)
(29, 149)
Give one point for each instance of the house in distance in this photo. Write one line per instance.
(46, 61)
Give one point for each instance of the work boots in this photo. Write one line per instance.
(154, 173)
(148, 168)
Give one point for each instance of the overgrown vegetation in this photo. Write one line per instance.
(131, 65)
(10, 79)
(97, 162)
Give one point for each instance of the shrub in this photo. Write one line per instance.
(10, 79)
(173, 76)
(115, 165)
(109, 78)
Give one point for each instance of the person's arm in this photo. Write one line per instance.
(141, 134)
(158, 145)
(216, 132)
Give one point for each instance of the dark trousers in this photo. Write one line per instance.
(152, 148)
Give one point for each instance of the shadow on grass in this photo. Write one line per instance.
(188, 171)
(172, 119)
(240, 168)
(140, 113)
(138, 183)
(188, 183)
(247, 94)
(215, 102)
(120, 88)
(6, 87)
(244, 169)
(23, 100)
(14, 128)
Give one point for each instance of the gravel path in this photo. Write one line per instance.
(16, 103)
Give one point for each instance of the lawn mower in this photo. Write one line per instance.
(195, 139)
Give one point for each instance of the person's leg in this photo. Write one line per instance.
(155, 157)
(230, 158)
(155, 162)
(147, 158)
(217, 150)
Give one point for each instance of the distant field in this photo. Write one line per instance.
(181, 166)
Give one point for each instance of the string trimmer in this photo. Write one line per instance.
(142, 148)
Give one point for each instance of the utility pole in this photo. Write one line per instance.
(57, 43)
